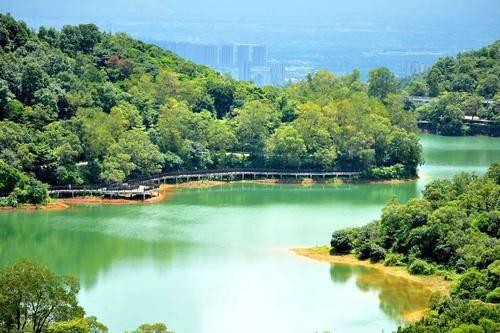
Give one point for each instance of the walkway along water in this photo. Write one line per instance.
(144, 188)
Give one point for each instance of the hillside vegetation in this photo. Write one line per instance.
(452, 231)
(466, 85)
(83, 106)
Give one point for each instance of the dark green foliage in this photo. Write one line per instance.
(472, 72)
(455, 314)
(79, 105)
(343, 240)
(32, 296)
(462, 85)
(452, 229)
(367, 244)
(20, 187)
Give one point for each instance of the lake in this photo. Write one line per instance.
(217, 259)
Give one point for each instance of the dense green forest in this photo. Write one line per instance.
(34, 299)
(466, 85)
(452, 231)
(83, 106)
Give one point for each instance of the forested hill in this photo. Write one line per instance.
(466, 87)
(452, 231)
(474, 72)
(84, 106)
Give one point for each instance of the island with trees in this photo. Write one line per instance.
(80, 106)
(452, 233)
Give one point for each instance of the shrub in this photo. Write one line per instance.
(468, 328)
(493, 296)
(342, 240)
(421, 267)
(74, 326)
(394, 259)
(472, 284)
(389, 172)
(489, 223)
(367, 236)
(377, 252)
(28, 190)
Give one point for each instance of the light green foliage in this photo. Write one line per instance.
(418, 88)
(420, 267)
(394, 259)
(462, 85)
(78, 325)
(172, 124)
(31, 296)
(285, 148)
(253, 123)
(468, 328)
(381, 83)
(73, 326)
(152, 328)
(452, 231)
(134, 153)
(77, 104)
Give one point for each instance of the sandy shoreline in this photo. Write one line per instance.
(321, 253)
(434, 284)
(56, 205)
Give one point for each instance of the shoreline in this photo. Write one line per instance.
(435, 284)
(65, 203)
(322, 253)
(55, 205)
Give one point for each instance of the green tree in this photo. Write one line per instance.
(172, 124)
(33, 78)
(133, 155)
(253, 122)
(418, 88)
(381, 83)
(152, 328)
(285, 147)
(31, 296)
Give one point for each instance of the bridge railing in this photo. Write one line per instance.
(238, 170)
(148, 182)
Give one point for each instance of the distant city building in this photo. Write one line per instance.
(260, 75)
(226, 57)
(242, 54)
(259, 57)
(413, 68)
(211, 55)
(244, 62)
(244, 71)
(277, 73)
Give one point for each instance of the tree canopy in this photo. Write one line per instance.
(82, 106)
(452, 230)
(467, 85)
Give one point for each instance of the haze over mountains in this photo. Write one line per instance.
(317, 34)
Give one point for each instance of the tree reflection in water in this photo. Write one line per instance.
(398, 297)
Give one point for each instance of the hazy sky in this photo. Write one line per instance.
(338, 35)
(297, 10)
